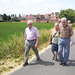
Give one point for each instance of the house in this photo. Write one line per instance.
(53, 17)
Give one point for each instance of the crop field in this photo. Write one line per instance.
(8, 29)
(12, 38)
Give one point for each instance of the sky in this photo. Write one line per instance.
(34, 6)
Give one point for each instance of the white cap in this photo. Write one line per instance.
(69, 21)
(59, 19)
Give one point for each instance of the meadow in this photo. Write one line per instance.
(12, 38)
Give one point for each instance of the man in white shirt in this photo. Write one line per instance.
(31, 37)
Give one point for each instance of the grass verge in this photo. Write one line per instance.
(13, 51)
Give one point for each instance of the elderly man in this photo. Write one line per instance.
(31, 37)
(65, 41)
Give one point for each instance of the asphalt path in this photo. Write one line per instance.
(47, 66)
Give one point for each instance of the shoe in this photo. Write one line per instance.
(37, 59)
(61, 63)
(25, 64)
(64, 64)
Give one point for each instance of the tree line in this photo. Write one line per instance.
(9, 18)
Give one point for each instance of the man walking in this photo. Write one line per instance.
(31, 38)
(65, 41)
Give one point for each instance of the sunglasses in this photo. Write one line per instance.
(29, 24)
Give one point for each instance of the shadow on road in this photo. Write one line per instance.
(73, 42)
(41, 62)
(71, 63)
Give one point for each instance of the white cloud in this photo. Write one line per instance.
(4, 1)
(37, 1)
(26, 2)
(56, 6)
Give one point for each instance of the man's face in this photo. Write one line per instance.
(29, 24)
(63, 22)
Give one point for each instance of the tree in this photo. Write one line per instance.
(14, 17)
(8, 18)
(20, 15)
(4, 17)
(68, 13)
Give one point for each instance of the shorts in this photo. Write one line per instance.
(54, 47)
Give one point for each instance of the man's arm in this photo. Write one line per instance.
(25, 34)
(71, 37)
(37, 38)
(36, 44)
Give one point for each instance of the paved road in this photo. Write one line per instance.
(47, 66)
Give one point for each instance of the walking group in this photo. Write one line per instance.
(61, 38)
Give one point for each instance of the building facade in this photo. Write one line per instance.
(53, 17)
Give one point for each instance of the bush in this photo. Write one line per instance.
(1, 21)
(47, 22)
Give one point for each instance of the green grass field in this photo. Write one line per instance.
(8, 29)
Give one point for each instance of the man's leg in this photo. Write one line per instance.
(36, 52)
(35, 49)
(60, 50)
(27, 48)
(66, 51)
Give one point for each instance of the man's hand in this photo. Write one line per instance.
(36, 45)
(71, 43)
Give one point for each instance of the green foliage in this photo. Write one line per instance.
(23, 19)
(1, 21)
(47, 22)
(8, 18)
(14, 20)
(68, 13)
(4, 17)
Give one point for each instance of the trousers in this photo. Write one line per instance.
(28, 45)
(63, 49)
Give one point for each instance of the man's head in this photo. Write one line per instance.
(63, 21)
(29, 23)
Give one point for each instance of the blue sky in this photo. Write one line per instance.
(34, 6)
